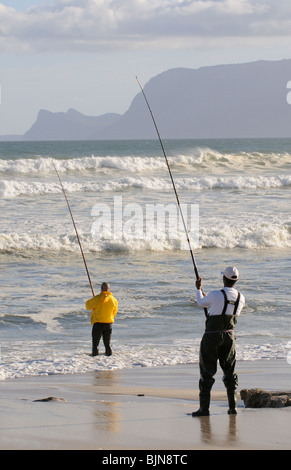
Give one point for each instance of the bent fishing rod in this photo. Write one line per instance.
(78, 238)
(174, 187)
(172, 179)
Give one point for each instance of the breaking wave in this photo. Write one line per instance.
(12, 188)
(199, 158)
(253, 236)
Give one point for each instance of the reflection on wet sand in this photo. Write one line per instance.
(207, 436)
(107, 412)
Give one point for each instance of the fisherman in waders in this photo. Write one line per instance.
(218, 342)
(104, 309)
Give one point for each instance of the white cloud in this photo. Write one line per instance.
(98, 25)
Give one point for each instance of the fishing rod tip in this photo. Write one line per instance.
(138, 82)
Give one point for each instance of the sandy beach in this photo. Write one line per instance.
(141, 409)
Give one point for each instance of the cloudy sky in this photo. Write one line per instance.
(85, 54)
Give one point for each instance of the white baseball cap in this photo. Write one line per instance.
(231, 273)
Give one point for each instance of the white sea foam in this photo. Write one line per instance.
(12, 188)
(38, 359)
(252, 236)
(90, 164)
(203, 158)
(79, 363)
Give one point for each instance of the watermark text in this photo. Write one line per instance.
(162, 222)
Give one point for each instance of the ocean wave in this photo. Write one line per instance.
(252, 236)
(197, 159)
(90, 164)
(13, 189)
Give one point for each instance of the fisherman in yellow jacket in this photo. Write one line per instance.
(104, 309)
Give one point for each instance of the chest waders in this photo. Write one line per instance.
(218, 344)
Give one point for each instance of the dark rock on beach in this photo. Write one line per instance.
(49, 399)
(258, 398)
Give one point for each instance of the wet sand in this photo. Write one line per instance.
(141, 409)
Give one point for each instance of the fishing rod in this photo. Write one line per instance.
(78, 238)
(172, 179)
(174, 187)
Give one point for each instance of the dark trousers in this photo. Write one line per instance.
(216, 347)
(103, 330)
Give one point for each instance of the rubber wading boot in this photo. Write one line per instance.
(108, 351)
(204, 405)
(231, 395)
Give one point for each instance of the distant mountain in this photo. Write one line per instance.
(71, 125)
(223, 101)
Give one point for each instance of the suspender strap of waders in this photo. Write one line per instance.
(226, 302)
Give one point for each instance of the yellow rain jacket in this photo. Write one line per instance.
(104, 308)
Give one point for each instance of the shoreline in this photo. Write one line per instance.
(141, 409)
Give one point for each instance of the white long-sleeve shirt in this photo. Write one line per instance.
(214, 301)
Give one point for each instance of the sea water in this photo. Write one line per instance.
(240, 192)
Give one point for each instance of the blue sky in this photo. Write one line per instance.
(22, 5)
(85, 54)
